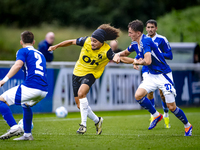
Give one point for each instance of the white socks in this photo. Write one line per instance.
(92, 116)
(83, 110)
(86, 111)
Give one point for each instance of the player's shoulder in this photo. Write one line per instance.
(146, 39)
(82, 40)
(161, 37)
(29, 49)
(133, 44)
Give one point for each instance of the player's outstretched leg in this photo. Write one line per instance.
(8, 117)
(99, 126)
(166, 115)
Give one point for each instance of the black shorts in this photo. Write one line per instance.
(88, 79)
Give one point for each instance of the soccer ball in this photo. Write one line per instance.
(61, 112)
(21, 125)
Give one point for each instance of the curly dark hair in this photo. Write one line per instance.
(112, 33)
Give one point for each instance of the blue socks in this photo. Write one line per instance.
(27, 118)
(7, 114)
(152, 102)
(165, 108)
(146, 104)
(180, 115)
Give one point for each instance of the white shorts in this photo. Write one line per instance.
(144, 75)
(151, 82)
(21, 94)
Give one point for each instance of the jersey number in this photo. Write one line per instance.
(38, 64)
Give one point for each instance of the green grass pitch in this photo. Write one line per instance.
(121, 130)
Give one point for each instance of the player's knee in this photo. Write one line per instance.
(150, 95)
(81, 94)
(171, 106)
(138, 96)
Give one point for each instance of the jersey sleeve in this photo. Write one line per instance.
(147, 45)
(165, 47)
(133, 47)
(80, 41)
(21, 55)
(110, 54)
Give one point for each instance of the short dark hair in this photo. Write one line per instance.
(136, 25)
(152, 22)
(27, 37)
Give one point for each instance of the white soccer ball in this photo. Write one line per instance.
(20, 123)
(61, 112)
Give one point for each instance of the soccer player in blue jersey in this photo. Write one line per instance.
(30, 92)
(159, 76)
(164, 47)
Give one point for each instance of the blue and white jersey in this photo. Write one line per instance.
(162, 43)
(34, 67)
(134, 47)
(163, 46)
(158, 64)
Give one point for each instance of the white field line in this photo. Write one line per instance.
(105, 117)
(110, 134)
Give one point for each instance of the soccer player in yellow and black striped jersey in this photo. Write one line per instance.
(94, 56)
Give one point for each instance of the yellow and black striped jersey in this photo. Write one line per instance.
(92, 61)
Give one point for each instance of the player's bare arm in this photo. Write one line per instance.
(62, 44)
(146, 61)
(14, 69)
(126, 60)
(124, 53)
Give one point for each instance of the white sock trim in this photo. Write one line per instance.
(156, 114)
(187, 125)
(83, 100)
(165, 114)
(27, 134)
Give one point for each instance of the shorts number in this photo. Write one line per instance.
(168, 87)
(38, 64)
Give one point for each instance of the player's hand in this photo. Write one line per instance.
(136, 67)
(2, 83)
(116, 58)
(135, 62)
(52, 48)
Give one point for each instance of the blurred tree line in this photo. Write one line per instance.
(86, 13)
